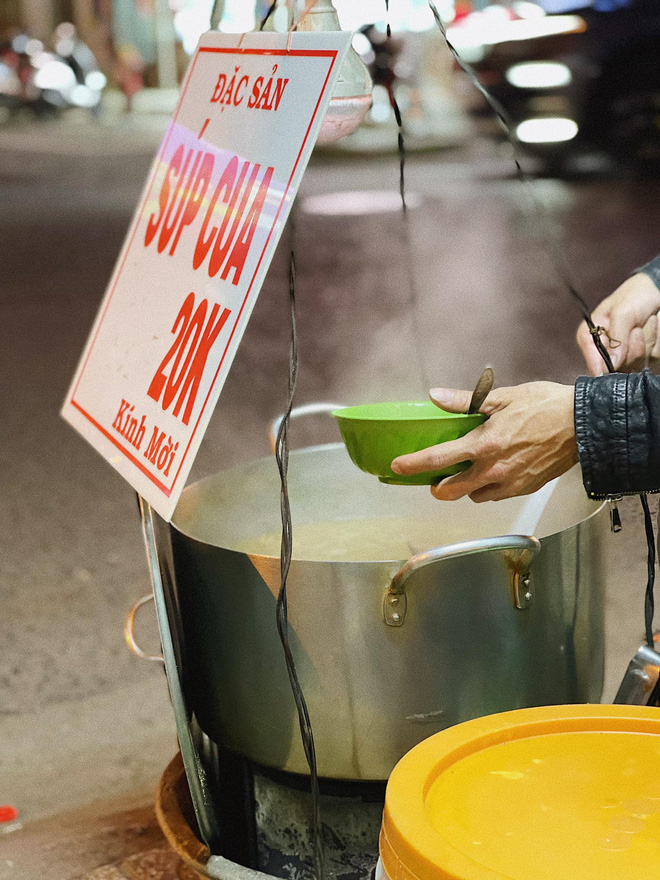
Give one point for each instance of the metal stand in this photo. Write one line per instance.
(200, 792)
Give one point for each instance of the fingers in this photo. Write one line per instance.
(650, 331)
(453, 488)
(450, 399)
(625, 311)
(595, 363)
(636, 355)
(654, 353)
(470, 482)
(435, 458)
(651, 340)
(624, 321)
(491, 492)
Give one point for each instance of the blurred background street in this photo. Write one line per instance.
(386, 308)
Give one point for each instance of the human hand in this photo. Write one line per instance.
(630, 317)
(528, 439)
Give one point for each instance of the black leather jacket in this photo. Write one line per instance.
(617, 426)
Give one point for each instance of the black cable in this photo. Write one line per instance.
(281, 608)
(551, 245)
(649, 599)
(402, 148)
(562, 273)
(271, 10)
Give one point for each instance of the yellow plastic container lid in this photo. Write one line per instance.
(553, 793)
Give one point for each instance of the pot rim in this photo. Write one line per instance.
(331, 447)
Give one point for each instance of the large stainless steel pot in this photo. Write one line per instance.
(389, 650)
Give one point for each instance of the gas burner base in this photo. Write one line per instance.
(351, 825)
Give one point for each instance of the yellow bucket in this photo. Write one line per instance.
(552, 793)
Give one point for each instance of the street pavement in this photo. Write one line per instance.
(386, 309)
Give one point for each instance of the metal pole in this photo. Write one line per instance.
(216, 14)
(165, 47)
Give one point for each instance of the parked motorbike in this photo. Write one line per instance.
(572, 85)
(49, 82)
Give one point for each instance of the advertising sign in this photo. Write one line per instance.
(197, 252)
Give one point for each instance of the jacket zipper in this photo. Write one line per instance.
(615, 516)
(613, 501)
(621, 495)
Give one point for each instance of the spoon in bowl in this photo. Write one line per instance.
(482, 390)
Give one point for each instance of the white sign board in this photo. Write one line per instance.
(197, 252)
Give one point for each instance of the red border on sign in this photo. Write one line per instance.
(318, 53)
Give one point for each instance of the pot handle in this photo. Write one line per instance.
(307, 409)
(641, 676)
(129, 635)
(520, 551)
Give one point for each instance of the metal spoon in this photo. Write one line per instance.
(482, 390)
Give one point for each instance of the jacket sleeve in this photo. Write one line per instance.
(617, 427)
(652, 269)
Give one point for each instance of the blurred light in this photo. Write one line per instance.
(34, 47)
(381, 109)
(9, 82)
(539, 75)
(419, 19)
(473, 54)
(280, 19)
(42, 58)
(65, 31)
(238, 17)
(65, 47)
(413, 15)
(354, 204)
(611, 5)
(553, 6)
(546, 131)
(189, 25)
(525, 9)
(361, 44)
(83, 96)
(354, 15)
(19, 43)
(95, 80)
(488, 30)
(380, 112)
(55, 75)
(495, 11)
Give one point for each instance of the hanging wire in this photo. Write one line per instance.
(296, 23)
(286, 555)
(552, 246)
(401, 145)
(649, 599)
(271, 10)
(286, 552)
(556, 257)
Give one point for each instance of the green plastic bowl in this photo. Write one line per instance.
(376, 433)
